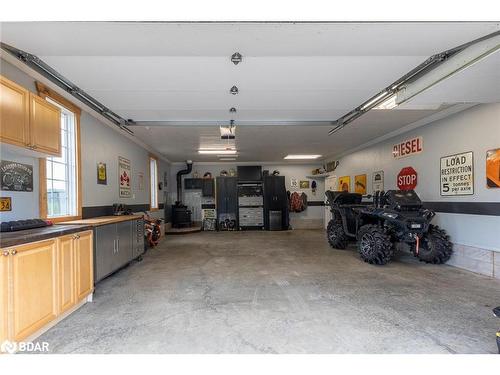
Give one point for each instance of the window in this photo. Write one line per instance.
(61, 171)
(60, 183)
(153, 186)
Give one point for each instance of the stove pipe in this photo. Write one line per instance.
(189, 168)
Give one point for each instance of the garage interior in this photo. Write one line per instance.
(185, 184)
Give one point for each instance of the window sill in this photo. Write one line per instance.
(61, 219)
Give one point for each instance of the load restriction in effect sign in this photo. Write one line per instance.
(457, 174)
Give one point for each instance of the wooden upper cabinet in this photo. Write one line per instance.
(14, 113)
(34, 287)
(28, 121)
(84, 265)
(45, 126)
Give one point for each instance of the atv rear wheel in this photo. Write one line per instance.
(336, 235)
(374, 245)
(435, 246)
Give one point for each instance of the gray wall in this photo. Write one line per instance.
(476, 129)
(99, 143)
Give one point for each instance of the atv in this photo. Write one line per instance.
(391, 217)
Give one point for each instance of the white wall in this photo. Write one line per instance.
(99, 143)
(476, 129)
(313, 214)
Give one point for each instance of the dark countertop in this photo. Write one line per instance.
(8, 239)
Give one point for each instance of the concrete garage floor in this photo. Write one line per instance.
(280, 292)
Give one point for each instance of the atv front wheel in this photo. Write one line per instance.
(335, 234)
(374, 245)
(435, 246)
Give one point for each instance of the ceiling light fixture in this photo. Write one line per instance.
(298, 157)
(234, 90)
(217, 151)
(236, 58)
(227, 159)
(377, 98)
(389, 103)
(435, 69)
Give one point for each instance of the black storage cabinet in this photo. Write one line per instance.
(207, 189)
(275, 199)
(227, 198)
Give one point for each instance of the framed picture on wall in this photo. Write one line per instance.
(102, 176)
(16, 176)
(304, 184)
(345, 183)
(493, 168)
(124, 173)
(360, 184)
(378, 181)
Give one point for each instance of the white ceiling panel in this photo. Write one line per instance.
(251, 39)
(290, 72)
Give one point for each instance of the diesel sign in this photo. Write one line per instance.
(408, 147)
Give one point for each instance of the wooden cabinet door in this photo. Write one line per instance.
(34, 287)
(66, 272)
(84, 265)
(4, 288)
(45, 125)
(14, 113)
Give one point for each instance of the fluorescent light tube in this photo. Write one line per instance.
(374, 100)
(227, 159)
(295, 157)
(217, 152)
(388, 103)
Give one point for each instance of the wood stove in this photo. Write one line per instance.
(181, 215)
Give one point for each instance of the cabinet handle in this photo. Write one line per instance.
(13, 251)
(114, 246)
(5, 253)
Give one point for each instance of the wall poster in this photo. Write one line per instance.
(5, 204)
(360, 184)
(408, 147)
(124, 177)
(304, 184)
(493, 168)
(294, 183)
(16, 176)
(102, 176)
(457, 174)
(345, 183)
(378, 181)
(140, 181)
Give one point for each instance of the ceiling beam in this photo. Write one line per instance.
(226, 122)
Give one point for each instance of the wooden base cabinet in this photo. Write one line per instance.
(75, 269)
(3, 295)
(39, 281)
(33, 287)
(84, 265)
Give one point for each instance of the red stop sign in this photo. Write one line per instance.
(407, 179)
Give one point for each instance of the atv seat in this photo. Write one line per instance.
(343, 197)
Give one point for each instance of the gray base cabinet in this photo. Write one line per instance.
(115, 245)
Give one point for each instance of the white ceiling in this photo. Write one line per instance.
(290, 72)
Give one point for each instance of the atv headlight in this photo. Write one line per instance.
(388, 214)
